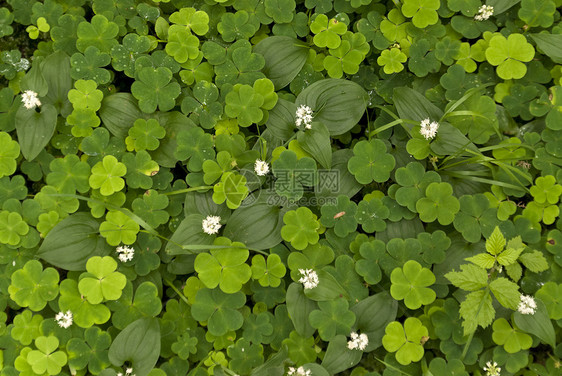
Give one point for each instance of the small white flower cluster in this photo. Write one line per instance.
(125, 253)
(30, 100)
(358, 341)
(428, 128)
(211, 224)
(485, 12)
(64, 319)
(527, 305)
(301, 371)
(492, 369)
(304, 116)
(261, 167)
(128, 372)
(309, 278)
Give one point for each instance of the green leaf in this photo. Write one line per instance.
(423, 12)
(119, 112)
(284, 58)
(225, 267)
(72, 242)
(371, 162)
(410, 283)
(550, 44)
(138, 343)
(338, 357)
(506, 292)
(534, 261)
(512, 339)
(537, 324)
(239, 227)
(316, 141)
(476, 310)
(8, 154)
(35, 129)
(101, 282)
(537, 12)
(33, 287)
(299, 308)
(339, 104)
(84, 313)
(301, 228)
(495, 242)
(439, 204)
(46, 359)
(100, 33)
(219, 310)
(154, 89)
(332, 318)
(509, 55)
(106, 175)
(405, 340)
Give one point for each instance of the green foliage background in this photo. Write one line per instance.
(152, 116)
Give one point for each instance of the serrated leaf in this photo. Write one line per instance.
(496, 242)
(470, 278)
(509, 256)
(506, 292)
(476, 310)
(534, 261)
(483, 260)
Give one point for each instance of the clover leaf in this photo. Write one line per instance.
(181, 44)
(146, 303)
(545, 190)
(327, 32)
(371, 215)
(438, 203)
(196, 145)
(405, 340)
(145, 135)
(371, 162)
(90, 351)
(33, 287)
(392, 60)
(101, 282)
(239, 25)
(46, 360)
(8, 153)
(300, 227)
(119, 228)
(194, 20)
(89, 66)
(333, 318)
(204, 106)
(549, 294)
(124, 55)
(244, 104)
(225, 267)
(12, 227)
(219, 310)
(475, 217)
(99, 32)
(270, 273)
(231, 188)
(368, 266)
(413, 180)
(410, 283)
(512, 339)
(509, 55)
(69, 174)
(106, 175)
(423, 12)
(348, 56)
(154, 89)
(537, 12)
(340, 216)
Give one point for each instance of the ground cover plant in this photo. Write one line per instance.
(280, 187)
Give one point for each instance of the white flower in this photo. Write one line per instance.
(358, 341)
(129, 371)
(527, 305)
(64, 319)
(309, 278)
(211, 224)
(125, 253)
(301, 371)
(484, 13)
(261, 167)
(492, 369)
(428, 129)
(30, 100)
(304, 116)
